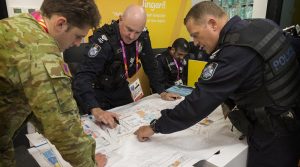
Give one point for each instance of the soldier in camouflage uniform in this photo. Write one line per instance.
(35, 82)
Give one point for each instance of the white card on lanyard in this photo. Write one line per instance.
(179, 82)
(136, 90)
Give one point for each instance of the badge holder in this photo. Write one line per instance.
(141, 82)
(136, 90)
(179, 82)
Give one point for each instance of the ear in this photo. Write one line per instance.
(120, 18)
(212, 23)
(61, 24)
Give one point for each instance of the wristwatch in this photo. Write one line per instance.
(153, 127)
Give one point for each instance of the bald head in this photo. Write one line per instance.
(136, 13)
(132, 23)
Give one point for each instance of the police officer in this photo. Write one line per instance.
(171, 63)
(116, 52)
(35, 83)
(253, 64)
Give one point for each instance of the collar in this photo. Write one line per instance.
(39, 18)
(228, 27)
(115, 25)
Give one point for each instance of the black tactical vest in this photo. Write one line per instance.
(281, 68)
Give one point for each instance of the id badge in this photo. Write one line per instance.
(179, 82)
(136, 90)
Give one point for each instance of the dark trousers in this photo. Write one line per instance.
(276, 148)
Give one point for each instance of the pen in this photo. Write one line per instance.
(116, 120)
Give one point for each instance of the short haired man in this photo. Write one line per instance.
(35, 82)
(171, 63)
(253, 64)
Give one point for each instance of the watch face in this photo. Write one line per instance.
(153, 121)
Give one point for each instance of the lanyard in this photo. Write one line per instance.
(38, 17)
(125, 57)
(178, 68)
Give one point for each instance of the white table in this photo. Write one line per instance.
(183, 148)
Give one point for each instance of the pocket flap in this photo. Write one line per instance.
(54, 69)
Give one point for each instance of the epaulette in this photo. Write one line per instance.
(101, 34)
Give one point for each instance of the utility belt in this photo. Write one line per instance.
(284, 122)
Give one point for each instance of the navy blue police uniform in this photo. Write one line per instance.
(101, 80)
(170, 70)
(238, 72)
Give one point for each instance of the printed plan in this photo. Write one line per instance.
(183, 148)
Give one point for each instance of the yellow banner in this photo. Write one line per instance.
(195, 69)
(164, 17)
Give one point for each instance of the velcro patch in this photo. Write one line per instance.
(94, 50)
(209, 70)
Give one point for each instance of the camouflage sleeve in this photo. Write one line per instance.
(49, 94)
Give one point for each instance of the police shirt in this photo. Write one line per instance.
(171, 71)
(231, 70)
(100, 55)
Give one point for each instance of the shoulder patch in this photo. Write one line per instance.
(209, 71)
(102, 38)
(94, 50)
(54, 69)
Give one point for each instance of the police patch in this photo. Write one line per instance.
(209, 71)
(93, 52)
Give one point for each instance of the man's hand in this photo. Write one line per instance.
(143, 133)
(169, 96)
(100, 159)
(105, 117)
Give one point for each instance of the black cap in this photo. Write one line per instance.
(182, 44)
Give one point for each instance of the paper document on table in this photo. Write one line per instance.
(36, 139)
(105, 142)
(183, 148)
(161, 151)
(175, 159)
(47, 156)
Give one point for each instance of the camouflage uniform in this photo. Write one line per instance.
(33, 85)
